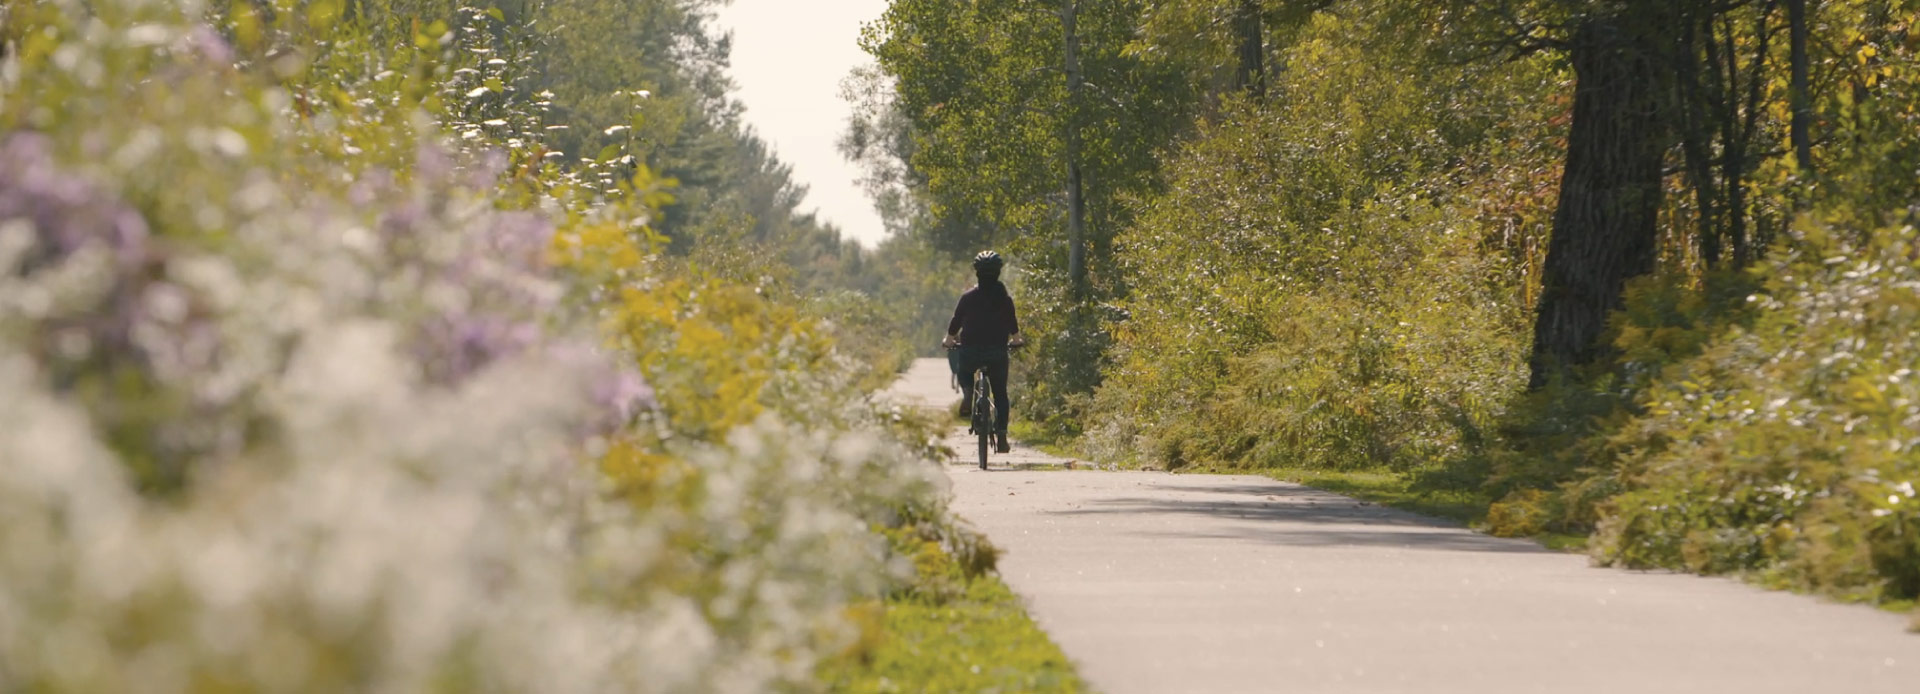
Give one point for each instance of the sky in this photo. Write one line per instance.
(789, 57)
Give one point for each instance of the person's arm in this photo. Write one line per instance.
(953, 325)
(1013, 324)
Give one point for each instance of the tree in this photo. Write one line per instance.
(1604, 228)
(880, 140)
(1251, 28)
(1224, 45)
(1801, 91)
(1076, 186)
(1649, 74)
(1009, 104)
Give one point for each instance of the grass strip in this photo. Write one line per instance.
(978, 641)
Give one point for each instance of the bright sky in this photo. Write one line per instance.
(789, 57)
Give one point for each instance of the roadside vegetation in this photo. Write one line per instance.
(958, 629)
(1641, 272)
(421, 346)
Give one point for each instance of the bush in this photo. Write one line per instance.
(1314, 290)
(1787, 447)
(1524, 513)
(1556, 436)
(1392, 371)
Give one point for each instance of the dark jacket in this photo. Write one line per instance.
(985, 316)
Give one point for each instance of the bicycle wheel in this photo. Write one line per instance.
(983, 417)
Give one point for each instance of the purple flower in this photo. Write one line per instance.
(67, 212)
(486, 172)
(623, 393)
(617, 390)
(402, 220)
(431, 162)
(369, 186)
(520, 237)
(208, 43)
(453, 347)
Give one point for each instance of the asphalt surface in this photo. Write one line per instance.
(1159, 584)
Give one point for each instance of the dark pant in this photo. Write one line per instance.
(967, 360)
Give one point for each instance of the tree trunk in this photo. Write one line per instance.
(1252, 73)
(1743, 125)
(1802, 100)
(1076, 196)
(1733, 164)
(1697, 135)
(1604, 230)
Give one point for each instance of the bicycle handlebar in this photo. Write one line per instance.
(1010, 345)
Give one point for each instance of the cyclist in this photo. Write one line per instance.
(984, 325)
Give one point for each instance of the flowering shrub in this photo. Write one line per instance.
(309, 390)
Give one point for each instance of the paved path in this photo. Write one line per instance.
(928, 384)
(1162, 584)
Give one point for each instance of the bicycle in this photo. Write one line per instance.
(982, 415)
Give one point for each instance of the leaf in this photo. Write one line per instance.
(322, 14)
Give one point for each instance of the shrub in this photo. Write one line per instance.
(1387, 368)
(1524, 513)
(1786, 447)
(1314, 290)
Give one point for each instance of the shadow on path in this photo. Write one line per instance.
(1277, 513)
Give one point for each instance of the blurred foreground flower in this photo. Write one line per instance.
(280, 418)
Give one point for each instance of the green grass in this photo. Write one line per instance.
(978, 641)
(1041, 439)
(1397, 491)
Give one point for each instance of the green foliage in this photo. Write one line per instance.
(1874, 119)
(1202, 36)
(979, 640)
(1308, 293)
(1549, 438)
(1524, 513)
(1786, 448)
(982, 86)
(1688, 449)
(980, 95)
